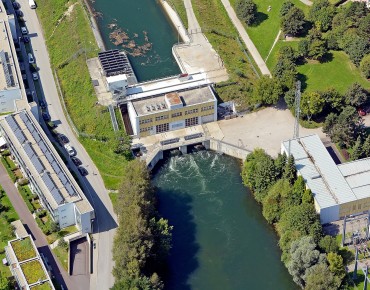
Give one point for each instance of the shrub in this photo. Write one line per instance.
(23, 181)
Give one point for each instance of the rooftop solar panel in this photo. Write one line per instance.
(37, 163)
(57, 197)
(63, 178)
(56, 167)
(43, 147)
(20, 136)
(52, 188)
(12, 123)
(114, 62)
(70, 189)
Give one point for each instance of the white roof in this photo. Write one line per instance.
(318, 169)
(116, 78)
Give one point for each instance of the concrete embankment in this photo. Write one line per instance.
(94, 26)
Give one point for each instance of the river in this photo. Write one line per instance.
(220, 238)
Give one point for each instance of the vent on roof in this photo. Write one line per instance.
(148, 108)
(153, 107)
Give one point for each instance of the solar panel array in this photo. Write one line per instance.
(34, 158)
(114, 62)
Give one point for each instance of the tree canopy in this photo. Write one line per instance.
(246, 11)
(293, 21)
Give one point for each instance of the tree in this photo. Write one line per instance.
(63, 244)
(365, 66)
(317, 49)
(329, 244)
(287, 5)
(290, 172)
(54, 227)
(299, 187)
(321, 14)
(333, 98)
(259, 172)
(267, 91)
(303, 255)
(336, 265)
(357, 149)
(293, 22)
(4, 282)
(246, 11)
(121, 144)
(356, 95)
(366, 147)
(289, 98)
(280, 162)
(307, 197)
(319, 277)
(311, 104)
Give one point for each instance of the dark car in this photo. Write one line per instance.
(62, 139)
(82, 170)
(16, 5)
(19, 13)
(26, 39)
(46, 116)
(42, 104)
(76, 161)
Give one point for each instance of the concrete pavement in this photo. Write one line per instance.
(246, 39)
(93, 185)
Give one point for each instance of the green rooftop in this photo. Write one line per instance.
(23, 249)
(33, 271)
(45, 286)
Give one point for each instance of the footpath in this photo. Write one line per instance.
(244, 35)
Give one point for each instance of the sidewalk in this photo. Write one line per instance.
(243, 34)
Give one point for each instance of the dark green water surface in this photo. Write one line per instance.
(221, 240)
(138, 18)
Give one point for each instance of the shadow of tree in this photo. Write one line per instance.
(260, 17)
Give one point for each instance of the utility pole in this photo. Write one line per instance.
(297, 105)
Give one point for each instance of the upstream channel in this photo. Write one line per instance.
(221, 240)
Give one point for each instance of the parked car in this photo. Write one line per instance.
(35, 76)
(30, 58)
(361, 112)
(26, 39)
(16, 5)
(62, 139)
(82, 170)
(19, 13)
(70, 150)
(76, 161)
(42, 104)
(24, 30)
(46, 116)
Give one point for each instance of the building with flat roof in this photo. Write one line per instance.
(26, 264)
(49, 177)
(338, 190)
(167, 111)
(11, 84)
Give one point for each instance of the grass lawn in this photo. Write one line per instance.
(23, 249)
(63, 232)
(179, 7)
(33, 271)
(45, 286)
(62, 255)
(264, 32)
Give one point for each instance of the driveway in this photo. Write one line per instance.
(93, 185)
(79, 251)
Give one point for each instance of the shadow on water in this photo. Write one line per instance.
(177, 207)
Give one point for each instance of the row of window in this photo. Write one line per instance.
(191, 122)
(145, 129)
(193, 111)
(178, 114)
(145, 121)
(207, 108)
(163, 117)
(162, 128)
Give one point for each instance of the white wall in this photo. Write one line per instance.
(66, 215)
(12, 26)
(329, 214)
(7, 99)
(177, 125)
(133, 119)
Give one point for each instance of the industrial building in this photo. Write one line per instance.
(11, 84)
(26, 264)
(338, 190)
(48, 176)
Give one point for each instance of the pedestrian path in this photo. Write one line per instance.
(246, 39)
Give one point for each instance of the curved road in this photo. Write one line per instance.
(93, 185)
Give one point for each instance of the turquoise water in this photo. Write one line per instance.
(140, 19)
(221, 240)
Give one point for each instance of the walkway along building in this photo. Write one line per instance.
(48, 175)
(338, 190)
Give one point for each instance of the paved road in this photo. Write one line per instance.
(93, 185)
(30, 224)
(243, 34)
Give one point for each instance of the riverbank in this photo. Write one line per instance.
(94, 26)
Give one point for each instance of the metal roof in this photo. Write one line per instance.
(318, 169)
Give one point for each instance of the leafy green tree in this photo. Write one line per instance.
(336, 265)
(4, 282)
(357, 149)
(54, 227)
(267, 91)
(303, 219)
(137, 283)
(246, 11)
(259, 173)
(317, 49)
(303, 255)
(366, 147)
(290, 171)
(333, 98)
(299, 187)
(293, 22)
(63, 244)
(321, 14)
(355, 46)
(287, 5)
(280, 162)
(311, 104)
(307, 197)
(365, 66)
(329, 244)
(162, 234)
(319, 277)
(356, 95)
(121, 144)
(289, 98)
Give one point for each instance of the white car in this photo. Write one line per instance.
(70, 150)
(35, 76)
(30, 58)
(24, 30)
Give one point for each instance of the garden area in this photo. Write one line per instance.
(61, 251)
(33, 271)
(23, 249)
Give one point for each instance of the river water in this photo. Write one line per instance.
(220, 238)
(139, 19)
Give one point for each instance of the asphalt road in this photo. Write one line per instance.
(93, 185)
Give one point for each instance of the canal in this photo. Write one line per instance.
(220, 238)
(142, 29)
